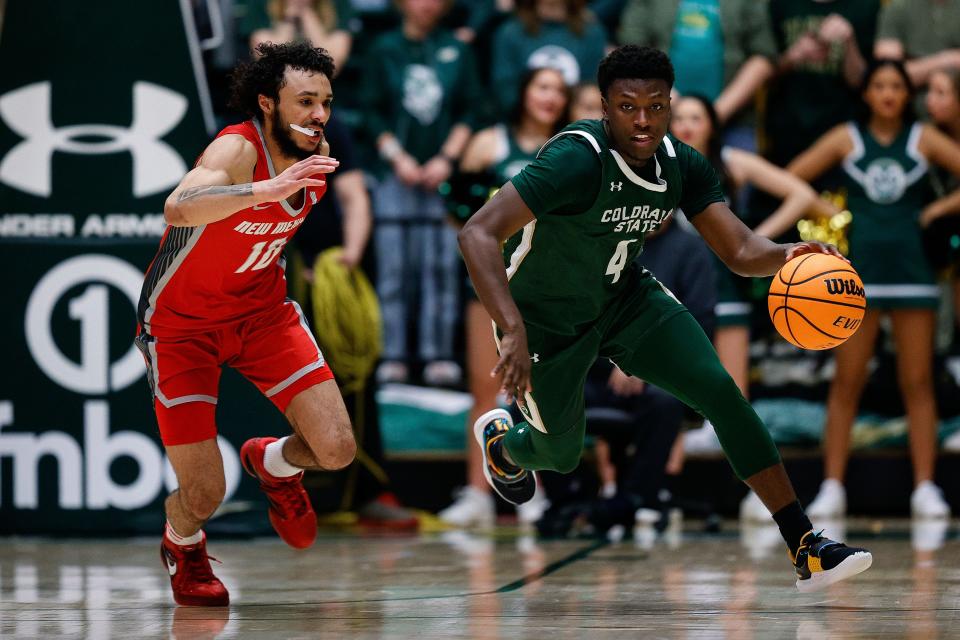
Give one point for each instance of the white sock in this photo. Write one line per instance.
(274, 462)
(182, 541)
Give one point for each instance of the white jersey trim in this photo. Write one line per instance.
(526, 243)
(593, 141)
(659, 187)
(732, 308)
(668, 145)
(901, 291)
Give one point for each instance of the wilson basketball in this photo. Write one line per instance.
(816, 301)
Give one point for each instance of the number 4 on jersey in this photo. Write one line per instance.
(619, 260)
(264, 261)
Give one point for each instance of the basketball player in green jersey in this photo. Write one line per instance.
(566, 289)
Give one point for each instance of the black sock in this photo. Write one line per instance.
(794, 524)
(500, 459)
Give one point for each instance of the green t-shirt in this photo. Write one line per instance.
(813, 97)
(592, 213)
(419, 90)
(555, 45)
(696, 48)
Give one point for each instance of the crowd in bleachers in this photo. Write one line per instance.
(439, 101)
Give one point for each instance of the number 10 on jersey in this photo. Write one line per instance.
(255, 261)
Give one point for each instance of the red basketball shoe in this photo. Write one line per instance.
(291, 513)
(191, 577)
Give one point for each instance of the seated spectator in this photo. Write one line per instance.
(823, 46)
(885, 158)
(722, 49)
(322, 22)
(492, 157)
(545, 33)
(586, 102)
(421, 85)
(925, 34)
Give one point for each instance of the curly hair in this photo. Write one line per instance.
(264, 74)
(634, 62)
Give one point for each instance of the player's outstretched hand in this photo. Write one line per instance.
(297, 176)
(514, 365)
(800, 248)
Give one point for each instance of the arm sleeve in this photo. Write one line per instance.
(565, 179)
(891, 20)
(701, 186)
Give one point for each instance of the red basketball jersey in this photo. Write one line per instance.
(205, 277)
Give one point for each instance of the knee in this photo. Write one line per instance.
(567, 459)
(915, 383)
(201, 500)
(339, 450)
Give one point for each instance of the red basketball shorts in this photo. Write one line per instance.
(274, 350)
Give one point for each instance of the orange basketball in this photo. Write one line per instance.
(816, 301)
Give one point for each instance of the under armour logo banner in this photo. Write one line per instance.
(616, 186)
(156, 165)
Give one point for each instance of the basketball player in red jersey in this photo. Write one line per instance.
(215, 294)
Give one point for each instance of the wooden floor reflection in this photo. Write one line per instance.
(736, 585)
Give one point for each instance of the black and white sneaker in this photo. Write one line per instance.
(821, 561)
(513, 486)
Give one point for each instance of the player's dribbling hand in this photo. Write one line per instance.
(514, 364)
(296, 177)
(800, 248)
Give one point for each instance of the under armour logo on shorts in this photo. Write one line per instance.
(616, 186)
(156, 165)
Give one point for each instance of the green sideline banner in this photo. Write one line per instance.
(99, 119)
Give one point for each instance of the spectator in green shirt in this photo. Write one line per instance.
(421, 88)
(561, 34)
(823, 45)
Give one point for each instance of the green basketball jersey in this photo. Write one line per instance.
(592, 213)
(887, 188)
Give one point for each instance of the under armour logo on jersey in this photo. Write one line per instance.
(156, 165)
(616, 186)
(535, 358)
